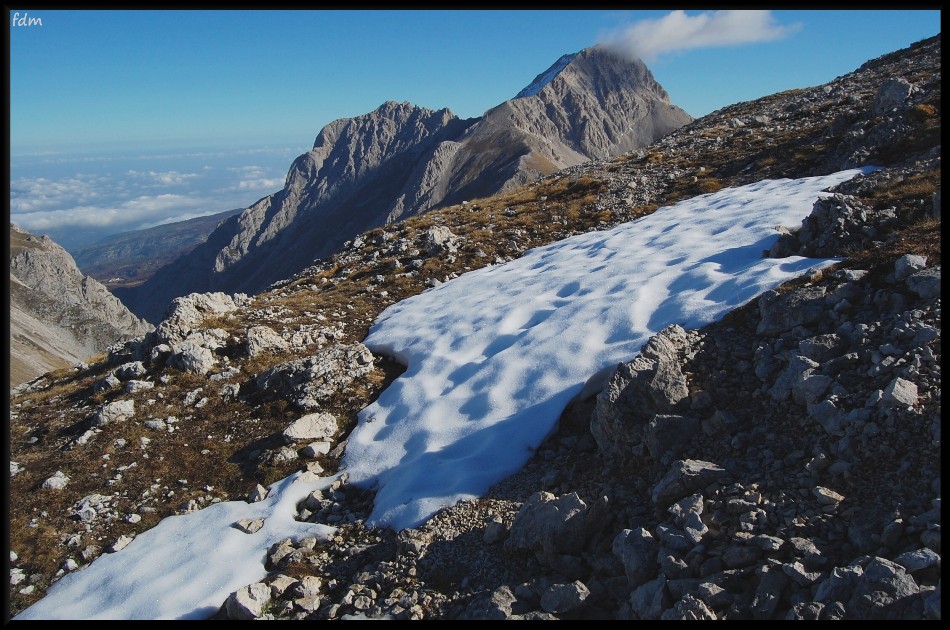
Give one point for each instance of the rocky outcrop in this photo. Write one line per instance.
(58, 316)
(304, 382)
(401, 160)
(640, 396)
(181, 340)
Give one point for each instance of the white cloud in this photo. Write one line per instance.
(58, 157)
(248, 171)
(678, 31)
(129, 214)
(163, 178)
(76, 203)
(255, 178)
(227, 153)
(30, 194)
(256, 184)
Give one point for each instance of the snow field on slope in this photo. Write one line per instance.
(494, 356)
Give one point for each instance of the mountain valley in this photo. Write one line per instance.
(130, 258)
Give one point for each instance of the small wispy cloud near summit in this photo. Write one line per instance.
(648, 39)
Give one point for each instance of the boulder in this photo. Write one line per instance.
(313, 426)
(684, 478)
(550, 526)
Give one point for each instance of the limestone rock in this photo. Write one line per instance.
(650, 384)
(684, 478)
(248, 601)
(308, 381)
(263, 339)
(313, 426)
(114, 412)
(57, 482)
(550, 526)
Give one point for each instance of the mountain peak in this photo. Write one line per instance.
(547, 76)
(594, 70)
(402, 159)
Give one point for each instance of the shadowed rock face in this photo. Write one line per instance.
(58, 316)
(400, 160)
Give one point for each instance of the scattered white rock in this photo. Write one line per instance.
(313, 426)
(259, 494)
(901, 392)
(136, 386)
(57, 482)
(827, 496)
(249, 526)
(16, 575)
(316, 448)
(114, 412)
(248, 601)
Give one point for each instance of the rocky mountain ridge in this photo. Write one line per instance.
(58, 316)
(401, 160)
(783, 463)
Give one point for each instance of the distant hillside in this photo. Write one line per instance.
(58, 317)
(130, 258)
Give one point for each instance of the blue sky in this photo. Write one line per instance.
(121, 120)
(98, 79)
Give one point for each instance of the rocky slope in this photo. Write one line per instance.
(401, 160)
(131, 258)
(58, 316)
(783, 463)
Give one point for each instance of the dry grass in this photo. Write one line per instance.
(907, 191)
(922, 112)
(692, 186)
(921, 238)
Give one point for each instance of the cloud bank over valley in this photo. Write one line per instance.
(78, 199)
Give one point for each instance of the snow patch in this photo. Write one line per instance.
(494, 356)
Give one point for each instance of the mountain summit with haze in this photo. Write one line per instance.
(401, 160)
